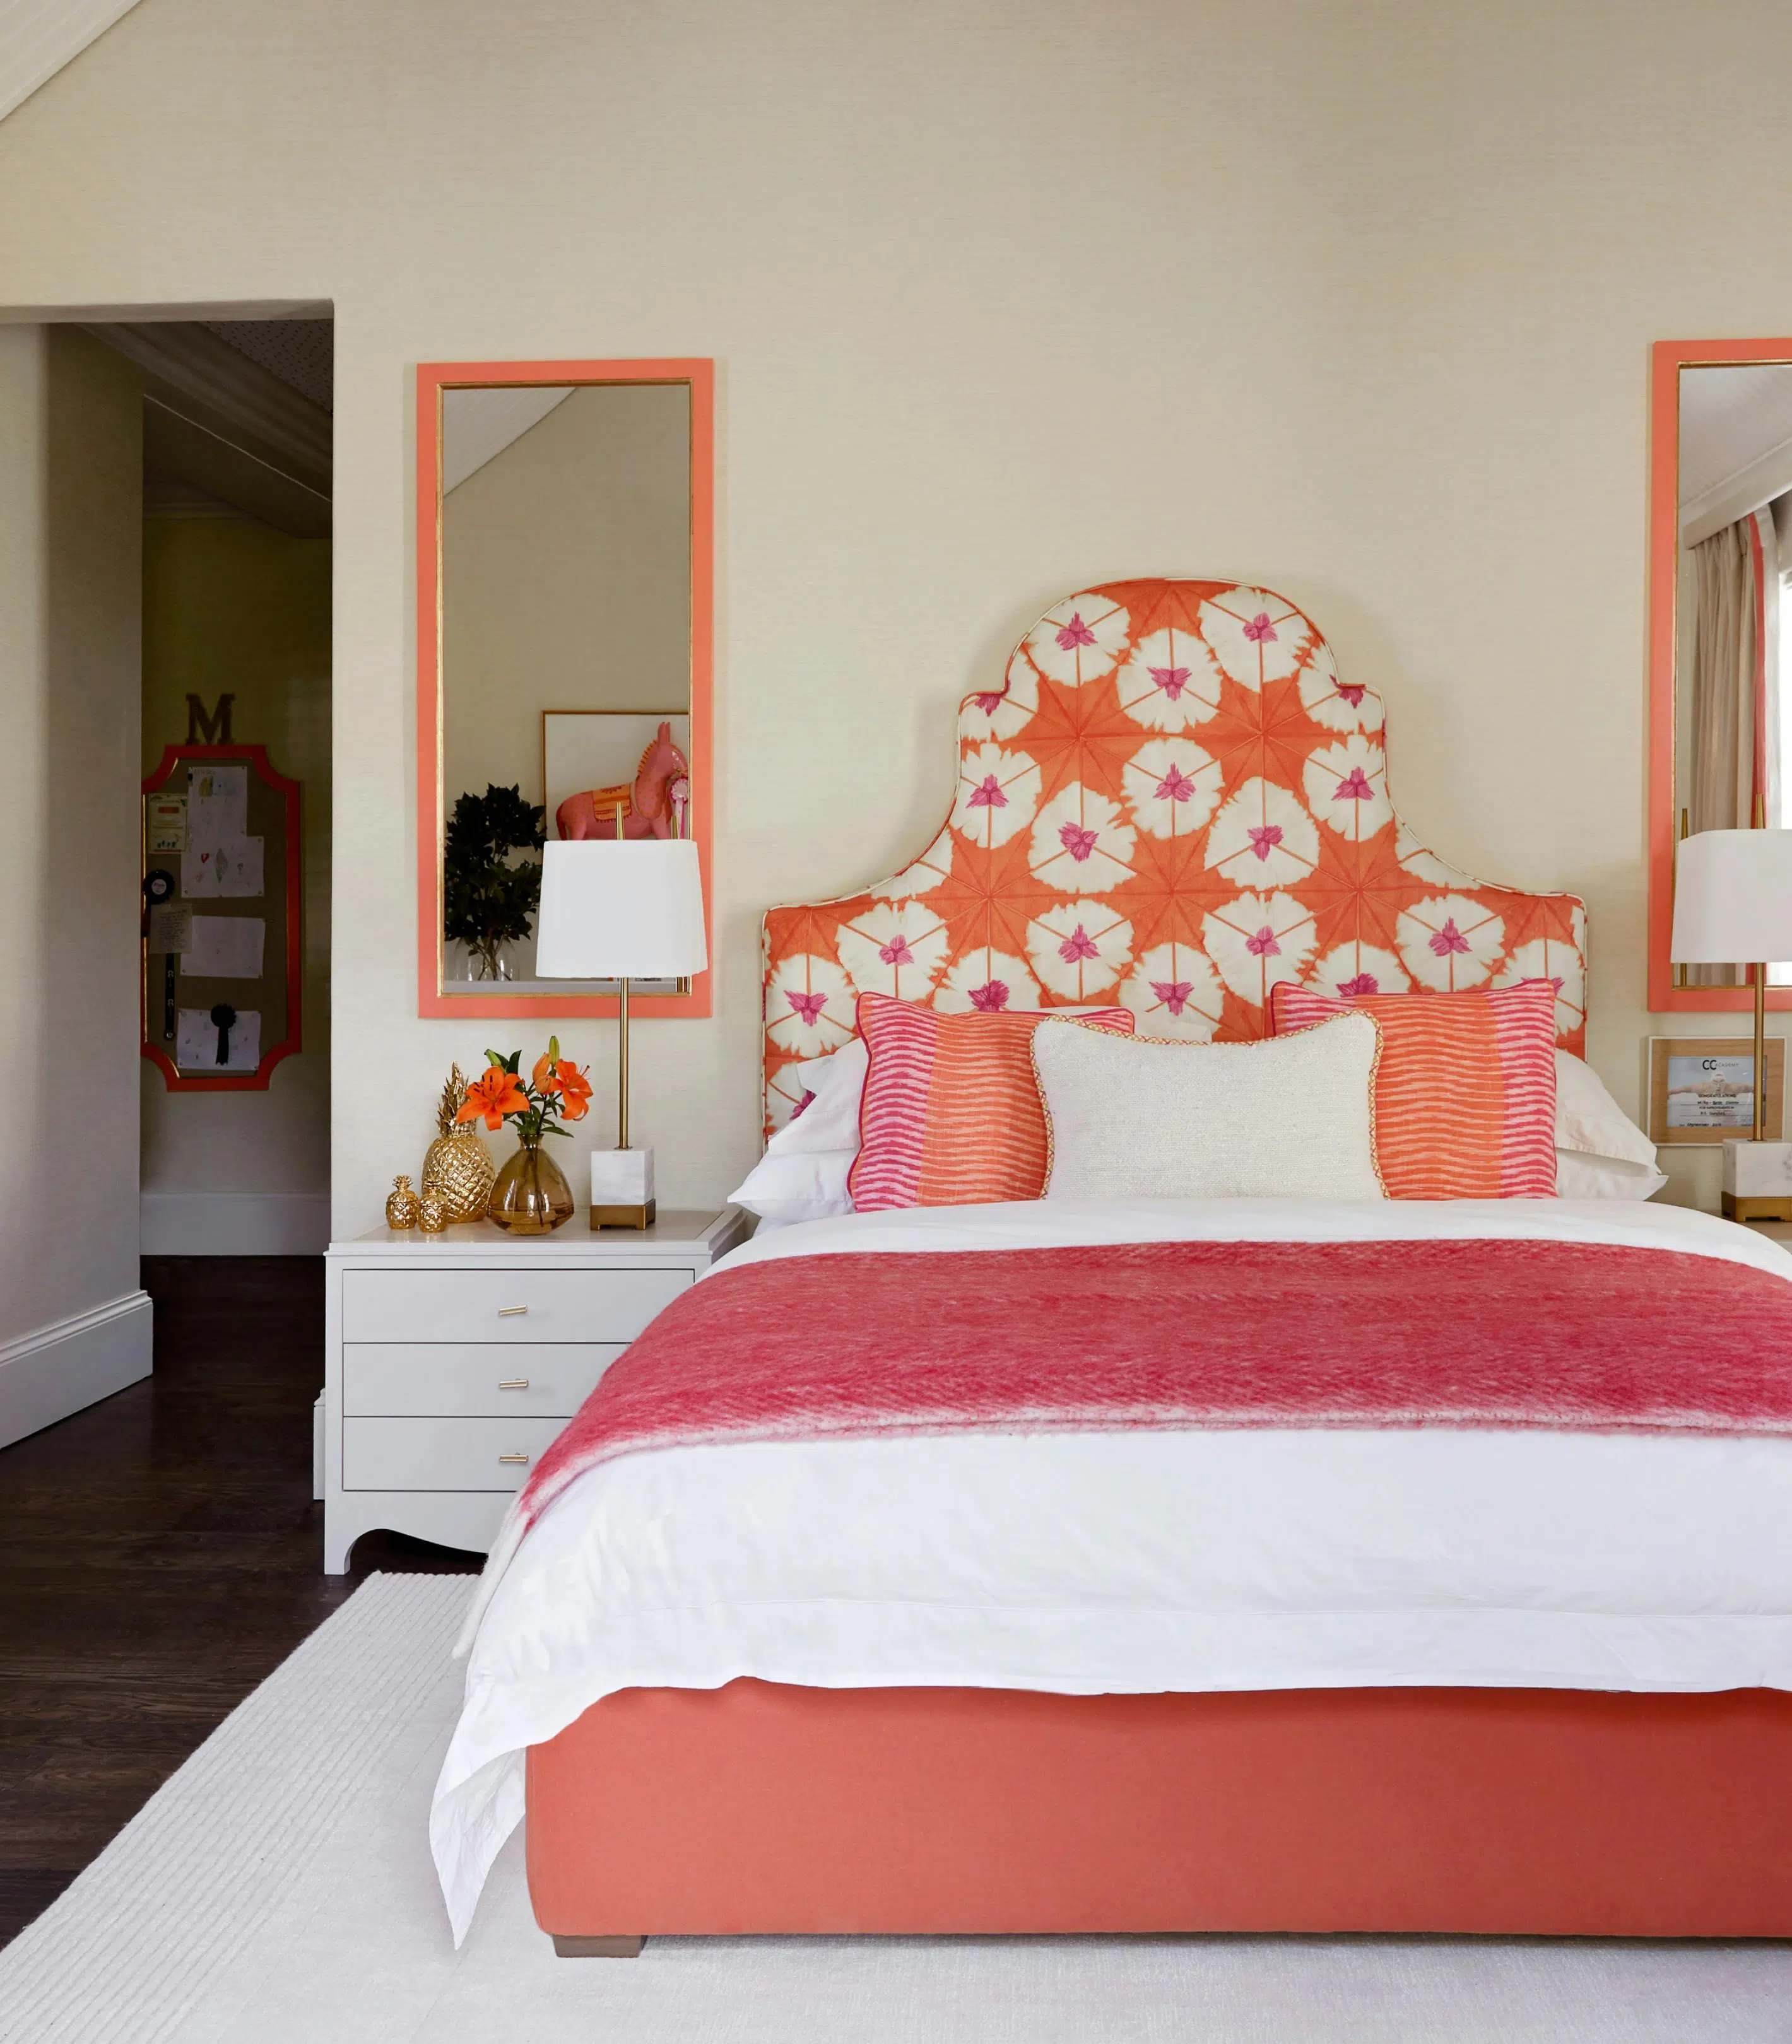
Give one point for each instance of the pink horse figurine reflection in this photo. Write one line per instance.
(654, 805)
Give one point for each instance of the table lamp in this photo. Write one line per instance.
(620, 908)
(1732, 905)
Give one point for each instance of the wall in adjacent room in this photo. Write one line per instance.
(232, 605)
(1354, 301)
(73, 1325)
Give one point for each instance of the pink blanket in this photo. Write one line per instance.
(1198, 1334)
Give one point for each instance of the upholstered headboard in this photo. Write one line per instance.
(1172, 801)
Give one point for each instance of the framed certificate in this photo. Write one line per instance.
(1701, 1088)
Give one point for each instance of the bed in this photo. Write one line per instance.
(1370, 1667)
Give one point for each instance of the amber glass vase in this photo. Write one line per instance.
(530, 1195)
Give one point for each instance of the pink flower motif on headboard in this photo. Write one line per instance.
(1365, 982)
(989, 795)
(1171, 680)
(1176, 787)
(989, 701)
(896, 951)
(1352, 693)
(1075, 634)
(808, 1006)
(1077, 841)
(1448, 939)
(1077, 945)
(1354, 787)
(1173, 993)
(1259, 630)
(1264, 943)
(991, 998)
(1264, 838)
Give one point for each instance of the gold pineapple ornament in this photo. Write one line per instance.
(401, 1204)
(458, 1169)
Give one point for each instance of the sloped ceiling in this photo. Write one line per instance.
(37, 37)
(1736, 443)
(479, 425)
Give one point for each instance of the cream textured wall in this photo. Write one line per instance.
(231, 604)
(566, 581)
(71, 504)
(1353, 299)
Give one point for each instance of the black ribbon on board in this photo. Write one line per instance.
(224, 1016)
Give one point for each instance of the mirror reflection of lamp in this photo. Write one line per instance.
(620, 908)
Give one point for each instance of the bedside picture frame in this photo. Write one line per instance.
(1700, 1090)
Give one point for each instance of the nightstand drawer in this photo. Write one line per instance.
(443, 1454)
(466, 1380)
(464, 1306)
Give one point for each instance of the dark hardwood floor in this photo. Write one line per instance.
(160, 1555)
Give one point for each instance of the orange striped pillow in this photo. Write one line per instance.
(951, 1115)
(1465, 1093)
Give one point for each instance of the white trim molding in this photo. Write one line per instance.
(46, 1376)
(1735, 497)
(234, 1224)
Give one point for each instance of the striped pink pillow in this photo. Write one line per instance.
(951, 1115)
(1465, 1092)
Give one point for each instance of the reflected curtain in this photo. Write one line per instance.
(1733, 780)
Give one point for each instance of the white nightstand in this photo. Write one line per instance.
(452, 1360)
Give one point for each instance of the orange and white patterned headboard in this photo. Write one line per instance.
(1172, 802)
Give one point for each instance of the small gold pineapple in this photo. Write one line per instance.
(458, 1168)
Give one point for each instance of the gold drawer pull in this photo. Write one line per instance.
(512, 1458)
(514, 1384)
(509, 1312)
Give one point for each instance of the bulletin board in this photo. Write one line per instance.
(223, 933)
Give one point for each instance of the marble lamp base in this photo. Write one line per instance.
(1757, 1180)
(622, 1189)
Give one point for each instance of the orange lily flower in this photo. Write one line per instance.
(494, 1094)
(575, 1090)
(545, 1078)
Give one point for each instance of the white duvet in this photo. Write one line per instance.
(1141, 1560)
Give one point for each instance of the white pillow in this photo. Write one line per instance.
(831, 1119)
(1579, 1176)
(1138, 1117)
(1588, 1119)
(808, 1185)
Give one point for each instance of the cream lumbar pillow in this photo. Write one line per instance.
(1138, 1117)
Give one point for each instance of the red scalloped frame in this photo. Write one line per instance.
(258, 1080)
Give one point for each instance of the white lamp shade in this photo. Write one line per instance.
(1732, 898)
(620, 908)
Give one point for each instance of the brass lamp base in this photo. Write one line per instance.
(640, 1217)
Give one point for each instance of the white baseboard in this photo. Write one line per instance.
(235, 1224)
(45, 1376)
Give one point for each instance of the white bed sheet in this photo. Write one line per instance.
(1084, 1563)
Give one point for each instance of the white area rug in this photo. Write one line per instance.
(278, 1887)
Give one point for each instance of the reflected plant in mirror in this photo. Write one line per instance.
(489, 897)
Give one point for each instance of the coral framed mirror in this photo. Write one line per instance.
(564, 590)
(1720, 656)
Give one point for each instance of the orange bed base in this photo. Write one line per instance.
(763, 1807)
